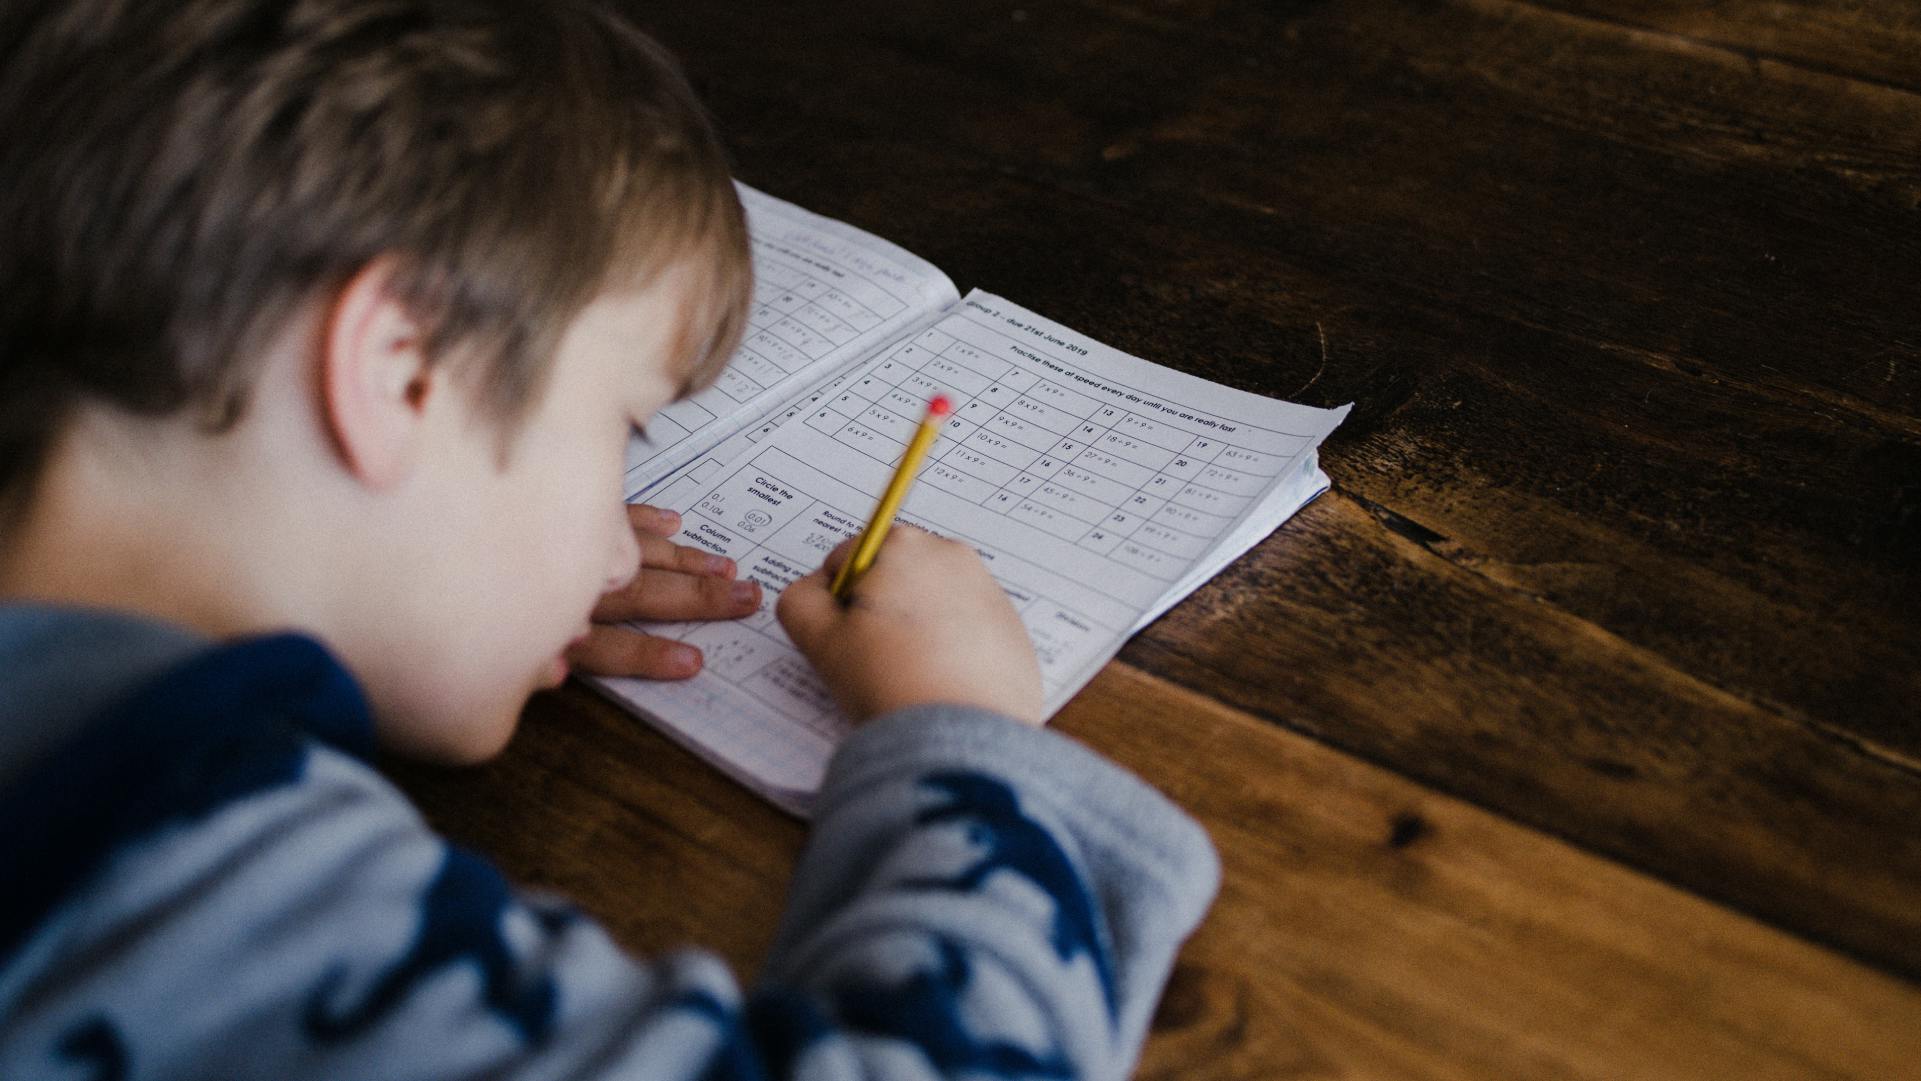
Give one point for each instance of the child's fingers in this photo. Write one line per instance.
(652, 521)
(807, 608)
(663, 554)
(617, 651)
(672, 595)
(841, 553)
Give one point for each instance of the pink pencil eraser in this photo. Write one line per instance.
(940, 406)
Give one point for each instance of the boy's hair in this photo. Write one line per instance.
(178, 178)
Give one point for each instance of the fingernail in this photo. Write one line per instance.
(669, 521)
(720, 565)
(684, 658)
(746, 591)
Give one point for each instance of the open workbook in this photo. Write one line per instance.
(1100, 488)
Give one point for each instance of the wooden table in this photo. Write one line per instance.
(1573, 734)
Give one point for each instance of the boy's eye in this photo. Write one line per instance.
(640, 432)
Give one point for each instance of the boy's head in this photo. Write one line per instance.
(345, 241)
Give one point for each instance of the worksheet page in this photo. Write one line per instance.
(1099, 488)
(825, 294)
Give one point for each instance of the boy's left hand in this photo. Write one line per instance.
(675, 583)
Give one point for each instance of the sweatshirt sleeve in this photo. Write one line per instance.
(978, 900)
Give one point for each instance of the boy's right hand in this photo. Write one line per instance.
(925, 625)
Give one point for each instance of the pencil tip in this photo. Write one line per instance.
(940, 406)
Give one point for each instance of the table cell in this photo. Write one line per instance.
(1233, 481)
(810, 287)
(1019, 596)
(1204, 449)
(775, 571)
(1058, 522)
(1171, 541)
(1060, 497)
(1135, 450)
(1067, 449)
(1101, 539)
(1183, 467)
(1063, 639)
(954, 432)
(1143, 506)
(953, 481)
(1001, 449)
(1043, 415)
(752, 504)
(853, 312)
(791, 331)
(826, 421)
(863, 438)
(975, 360)
(868, 388)
(907, 403)
(785, 301)
(951, 374)
(806, 540)
(821, 321)
(889, 423)
(687, 412)
(911, 355)
(1261, 463)
(1094, 486)
(1023, 484)
(1096, 459)
(758, 368)
(785, 356)
(989, 401)
(1148, 561)
(933, 340)
(1027, 435)
(975, 464)
(1017, 380)
(699, 530)
(1195, 497)
(890, 372)
(925, 387)
(1080, 406)
(736, 385)
(1154, 432)
(1046, 467)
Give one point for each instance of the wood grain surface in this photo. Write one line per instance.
(1574, 733)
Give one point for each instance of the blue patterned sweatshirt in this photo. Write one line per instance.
(202, 877)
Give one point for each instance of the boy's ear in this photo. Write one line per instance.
(375, 378)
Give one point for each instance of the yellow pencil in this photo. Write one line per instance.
(868, 546)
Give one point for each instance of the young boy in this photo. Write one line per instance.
(325, 323)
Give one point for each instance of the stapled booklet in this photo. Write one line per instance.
(1100, 488)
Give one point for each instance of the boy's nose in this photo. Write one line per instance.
(625, 558)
